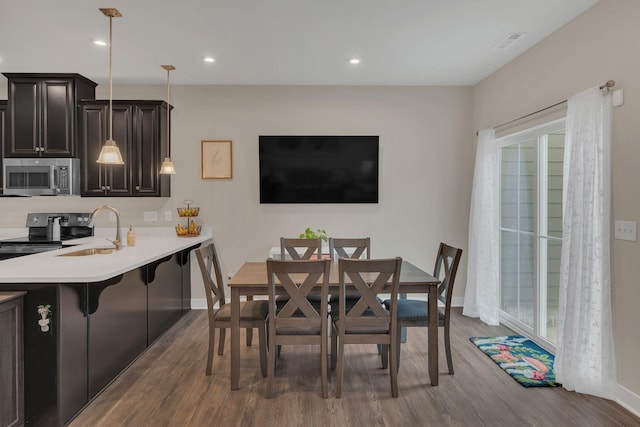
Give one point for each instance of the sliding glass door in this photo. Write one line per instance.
(531, 229)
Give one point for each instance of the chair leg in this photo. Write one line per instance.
(262, 338)
(323, 362)
(223, 334)
(384, 355)
(393, 369)
(271, 364)
(447, 346)
(339, 368)
(249, 336)
(334, 347)
(212, 341)
(398, 348)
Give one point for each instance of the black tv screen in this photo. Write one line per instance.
(318, 169)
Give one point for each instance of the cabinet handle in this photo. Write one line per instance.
(103, 188)
(108, 187)
(137, 188)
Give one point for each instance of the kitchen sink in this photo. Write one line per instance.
(89, 251)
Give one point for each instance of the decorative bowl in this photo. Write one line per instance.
(188, 212)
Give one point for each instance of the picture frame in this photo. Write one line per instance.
(216, 159)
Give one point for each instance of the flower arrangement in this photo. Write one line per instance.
(310, 234)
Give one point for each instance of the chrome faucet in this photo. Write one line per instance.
(118, 241)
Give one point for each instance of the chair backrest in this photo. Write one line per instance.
(290, 246)
(211, 275)
(338, 246)
(368, 278)
(297, 279)
(446, 265)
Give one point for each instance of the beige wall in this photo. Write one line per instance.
(597, 46)
(425, 167)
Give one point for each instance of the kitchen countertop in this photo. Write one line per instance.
(47, 267)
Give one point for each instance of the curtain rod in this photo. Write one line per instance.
(608, 85)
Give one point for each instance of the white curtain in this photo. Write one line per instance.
(483, 277)
(585, 359)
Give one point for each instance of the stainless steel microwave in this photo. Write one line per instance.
(40, 176)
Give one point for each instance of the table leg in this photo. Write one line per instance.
(433, 334)
(235, 339)
(249, 331)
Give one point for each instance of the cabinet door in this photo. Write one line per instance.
(117, 326)
(105, 180)
(11, 404)
(147, 154)
(57, 138)
(24, 118)
(150, 149)
(164, 291)
(3, 128)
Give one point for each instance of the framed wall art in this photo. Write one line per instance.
(216, 160)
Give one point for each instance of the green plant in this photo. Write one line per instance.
(310, 234)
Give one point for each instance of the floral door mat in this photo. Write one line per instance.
(524, 360)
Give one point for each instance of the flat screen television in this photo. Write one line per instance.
(318, 169)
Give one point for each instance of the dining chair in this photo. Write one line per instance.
(298, 322)
(355, 248)
(415, 312)
(360, 247)
(312, 248)
(367, 321)
(253, 314)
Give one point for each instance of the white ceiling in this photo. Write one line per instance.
(400, 42)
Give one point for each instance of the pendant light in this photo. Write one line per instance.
(167, 167)
(110, 154)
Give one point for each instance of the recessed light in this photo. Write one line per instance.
(353, 61)
(209, 59)
(99, 42)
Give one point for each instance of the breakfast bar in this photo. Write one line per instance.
(89, 313)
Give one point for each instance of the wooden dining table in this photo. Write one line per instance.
(251, 280)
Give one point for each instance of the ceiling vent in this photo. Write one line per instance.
(508, 40)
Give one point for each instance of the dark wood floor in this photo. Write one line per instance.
(167, 387)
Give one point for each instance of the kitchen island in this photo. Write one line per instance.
(86, 318)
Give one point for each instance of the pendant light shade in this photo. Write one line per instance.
(110, 154)
(167, 167)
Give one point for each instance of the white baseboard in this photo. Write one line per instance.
(198, 304)
(457, 301)
(628, 399)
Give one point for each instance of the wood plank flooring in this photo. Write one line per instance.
(167, 386)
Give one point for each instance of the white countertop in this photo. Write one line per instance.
(47, 267)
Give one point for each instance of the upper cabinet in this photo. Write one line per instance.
(3, 127)
(42, 113)
(140, 131)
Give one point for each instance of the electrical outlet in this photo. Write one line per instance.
(149, 216)
(168, 216)
(625, 230)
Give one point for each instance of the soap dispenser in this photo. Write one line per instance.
(131, 236)
(55, 234)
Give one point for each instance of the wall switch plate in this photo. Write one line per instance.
(168, 216)
(112, 217)
(625, 230)
(149, 216)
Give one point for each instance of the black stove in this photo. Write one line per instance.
(40, 236)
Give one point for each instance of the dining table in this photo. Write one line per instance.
(251, 280)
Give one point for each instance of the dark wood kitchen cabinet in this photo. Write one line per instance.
(164, 297)
(43, 113)
(3, 127)
(11, 374)
(117, 326)
(140, 131)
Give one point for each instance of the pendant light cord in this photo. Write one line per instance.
(110, 78)
(168, 108)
